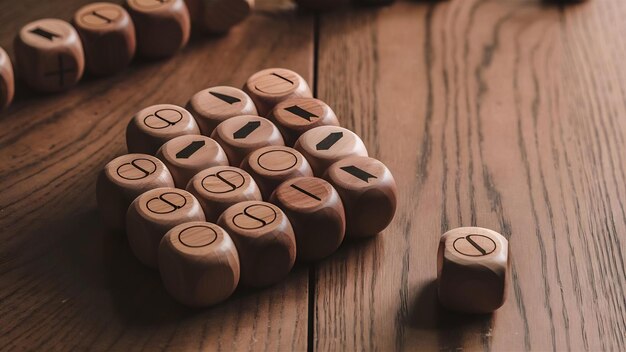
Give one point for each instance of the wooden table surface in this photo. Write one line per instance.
(505, 114)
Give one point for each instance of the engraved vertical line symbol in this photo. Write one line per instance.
(306, 192)
(45, 33)
(358, 173)
(225, 98)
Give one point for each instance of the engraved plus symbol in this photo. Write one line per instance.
(166, 203)
(223, 181)
(136, 169)
(474, 245)
(329, 141)
(254, 217)
(358, 173)
(61, 71)
(163, 118)
(298, 111)
(45, 33)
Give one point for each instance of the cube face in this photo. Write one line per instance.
(49, 55)
(295, 116)
(472, 270)
(212, 106)
(271, 86)
(7, 80)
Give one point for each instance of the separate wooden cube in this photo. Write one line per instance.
(212, 106)
(271, 86)
(162, 26)
(322, 146)
(49, 55)
(7, 80)
(369, 194)
(473, 270)
(295, 116)
(187, 155)
(122, 180)
(264, 239)
(151, 215)
(108, 37)
(220, 187)
(199, 264)
(316, 214)
(241, 135)
(272, 165)
(157, 124)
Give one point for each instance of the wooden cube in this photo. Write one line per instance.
(316, 214)
(108, 37)
(218, 16)
(272, 165)
(199, 264)
(368, 192)
(157, 124)
(472, 270)
(212, 106)
(187, 155)
(322, 146)
(49, 55)
(295, 116)
(220, 187)
(273, 85)
(7, 80)
(162, 26)
(122, 180)
(264, 239)
(151, 215)
(241, 135)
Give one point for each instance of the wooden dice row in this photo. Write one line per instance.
(52, 54)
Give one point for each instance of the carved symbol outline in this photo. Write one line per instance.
(246, 212)
(134, 163)
(358, 173)
(162, 198)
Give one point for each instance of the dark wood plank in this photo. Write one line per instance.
(501, 114)
(67, 284)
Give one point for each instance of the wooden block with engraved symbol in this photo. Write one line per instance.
(122, 180)
(212, 106)
(316, 213)
(324, 145)
(49, 55)
(220, 187)
(272, 165)
(108, 37)
(295, 116)
(187, 155)
(162, 26)
(472, 270)
(157, 124)
(273, 85)
(369, 194)
(151, 215)
(264, 239)
(199, 264)
(7, 80)
(241, 135)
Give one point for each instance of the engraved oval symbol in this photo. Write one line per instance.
(137, 169)
(474, 245)
(223, 181)
(163, 118)
(255, 216)
(277, 160)
(166, 203)
(197, 236)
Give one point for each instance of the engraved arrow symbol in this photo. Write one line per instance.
(190, 149)
(44, 33)
(358, 173)
(225, 98)
(329, 141)
(246, 129)
(296, 110)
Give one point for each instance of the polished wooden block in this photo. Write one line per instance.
(122, 180)
(151, 215)
(322, 146)
(220, 187)
(273, 85)
(7, 80)
(316, 214)
(369, 194)
(472, 270)
(212, 106)
(199, 264)
(218, 16)
(241, 135)
(295, 116)
(49, 55)
(187, 155)
(108, 36)
(162, 26)
(264, 239)
(272, 165)
(151, 127)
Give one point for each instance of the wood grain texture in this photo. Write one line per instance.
(501, 114)
(67, 284)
